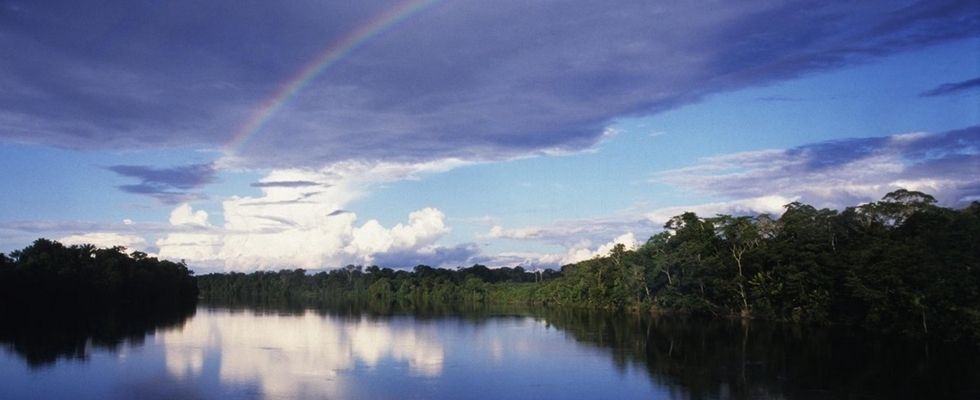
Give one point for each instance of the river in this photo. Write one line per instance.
(248, 353)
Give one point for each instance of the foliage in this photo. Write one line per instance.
(901, 265)
(49, 276)
(421, 285)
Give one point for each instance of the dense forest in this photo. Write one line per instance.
(51, 277)
(900, 265)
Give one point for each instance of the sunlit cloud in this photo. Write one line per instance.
(184, 214)
(772, 205)
(582, 250)
(306, 226)
(106, 240)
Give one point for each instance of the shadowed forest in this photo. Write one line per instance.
(51, 277)
(902, 265)
(56, 301)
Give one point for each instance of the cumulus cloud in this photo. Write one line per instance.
(583, 253)
(839, 173)
(421, 90)
(106, 240)
(423, 228)
(248, 242)
(291, 226)
(184, 214)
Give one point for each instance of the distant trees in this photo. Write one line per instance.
(422, 285)
(900, 265)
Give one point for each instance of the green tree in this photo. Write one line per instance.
(739, 235)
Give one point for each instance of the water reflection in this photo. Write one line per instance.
(284, 353)
(388, 353)
(720, 359)
(42, 338)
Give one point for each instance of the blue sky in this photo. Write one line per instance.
(461, 133)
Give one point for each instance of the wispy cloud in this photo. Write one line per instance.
(17, 234)
(182, 177)
(778, 99)
(952, 88)
(286, 184)
(569, 233)
(460, 255)
(772, 205)
(844, 172)
(168, 185)
(59, 228)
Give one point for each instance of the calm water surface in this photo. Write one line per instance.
(222, 353)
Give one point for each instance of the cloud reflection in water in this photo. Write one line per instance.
(297, 354)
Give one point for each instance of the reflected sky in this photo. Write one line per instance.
(289, 356)
(247, 354)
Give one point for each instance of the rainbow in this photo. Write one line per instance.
(329, 56)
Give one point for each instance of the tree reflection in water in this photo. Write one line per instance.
(42, 338)
(707, 359)
(341, 351)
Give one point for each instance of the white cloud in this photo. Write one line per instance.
(106, 240)
(424, 227)
(185, 215)
(293, 225)
(498, 232)
(197, 248)
(583, 252)
(752, 206)
(580, 251)
(569, 233)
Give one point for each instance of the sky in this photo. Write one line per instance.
(251, 135)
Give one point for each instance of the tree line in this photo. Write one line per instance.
(421, 286)
(49, 276)
(899, 265)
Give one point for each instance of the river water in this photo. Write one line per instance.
(222, 353)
